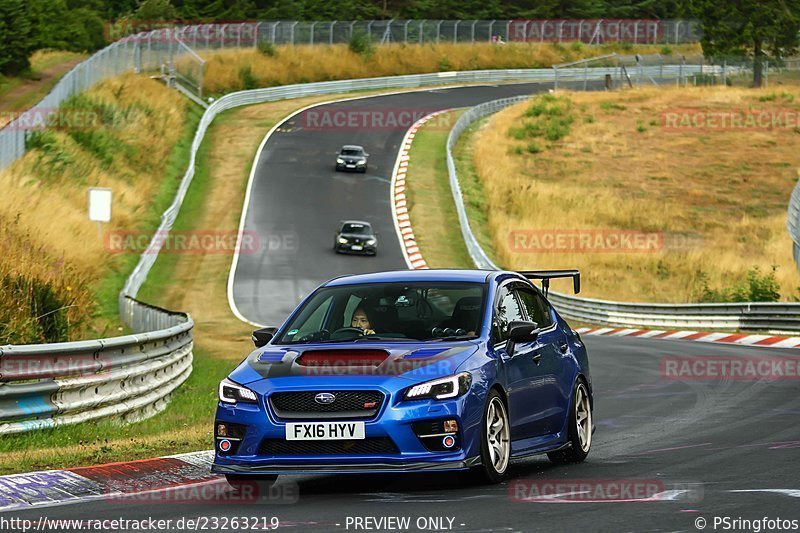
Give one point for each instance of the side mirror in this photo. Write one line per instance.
(262, 336)
(523, 331)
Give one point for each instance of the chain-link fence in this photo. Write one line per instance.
(597, 31)
(629, 71)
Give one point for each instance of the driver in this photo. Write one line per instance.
(361, 321)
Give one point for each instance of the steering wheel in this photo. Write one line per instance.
(321, 335)
(339, 332)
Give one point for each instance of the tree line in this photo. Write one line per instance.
(755, 27)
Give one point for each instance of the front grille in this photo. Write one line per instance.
(369, 446)
(348, 404)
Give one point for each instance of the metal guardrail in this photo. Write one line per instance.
(769, 317)
(129, 378)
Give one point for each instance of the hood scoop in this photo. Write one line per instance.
(343, 358)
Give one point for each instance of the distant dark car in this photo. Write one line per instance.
(356, 237)
(352, 157)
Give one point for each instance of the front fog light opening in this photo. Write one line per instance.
(438, 435)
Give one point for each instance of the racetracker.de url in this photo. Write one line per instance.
(142, 525)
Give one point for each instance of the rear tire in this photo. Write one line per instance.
(495, 440)
(580, 428)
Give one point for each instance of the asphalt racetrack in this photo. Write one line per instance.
(297, 197)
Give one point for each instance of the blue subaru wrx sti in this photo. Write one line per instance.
(414, 370)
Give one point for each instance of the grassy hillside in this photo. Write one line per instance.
(707, 202)
(121, 135)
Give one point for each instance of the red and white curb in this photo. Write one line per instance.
(410, 247)
(188, 476)
(744, 339)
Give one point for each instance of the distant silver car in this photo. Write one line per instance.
(352, 157)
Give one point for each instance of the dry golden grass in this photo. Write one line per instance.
(45, 192)
(300, 64)
(618, 168)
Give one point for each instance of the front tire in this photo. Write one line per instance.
(495, 440)
(580, 428)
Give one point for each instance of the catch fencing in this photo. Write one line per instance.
(770, 317)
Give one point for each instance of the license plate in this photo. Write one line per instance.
(351, 166)
(356, 247)
(324, 430)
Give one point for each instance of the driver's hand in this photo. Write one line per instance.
(368, 332)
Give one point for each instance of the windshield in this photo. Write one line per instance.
(398, 311)
(350, 151)
(359, 229)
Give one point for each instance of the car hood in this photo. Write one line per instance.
(415, 362)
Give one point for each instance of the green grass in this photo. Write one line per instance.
(163, 269)
(112, 282)
(433, 211)
(472, 189)
(430, 199)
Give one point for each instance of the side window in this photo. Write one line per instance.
(508, 310)
(537, 307)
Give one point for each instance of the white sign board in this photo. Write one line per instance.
(99, 204)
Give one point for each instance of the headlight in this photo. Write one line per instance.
(371, 242)
(230, 392)
(340, 161)
(342, 240)
(441, 389)
(363, 162)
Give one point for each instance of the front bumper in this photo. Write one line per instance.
(395, 421)
(365, 249)
(351, 167)
(364, 468)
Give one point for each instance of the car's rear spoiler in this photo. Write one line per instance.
(547, 275)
